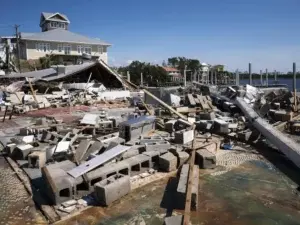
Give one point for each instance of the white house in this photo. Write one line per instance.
(56, 40)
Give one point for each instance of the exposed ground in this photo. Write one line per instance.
(16, 205)
(252, 191)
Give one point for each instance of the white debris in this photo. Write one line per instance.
(90, 119)
(69, 203)
(62, 146)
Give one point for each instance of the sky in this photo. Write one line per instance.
(230, 32)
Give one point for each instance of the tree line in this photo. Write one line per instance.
(154, 74)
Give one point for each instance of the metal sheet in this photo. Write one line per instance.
(97, 161)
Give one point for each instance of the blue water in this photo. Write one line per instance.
(288, 82)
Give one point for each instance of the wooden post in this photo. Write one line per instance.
(295, 86)
(188, 200)
(5, 113)
(32, 91)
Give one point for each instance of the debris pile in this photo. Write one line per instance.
(107, 153)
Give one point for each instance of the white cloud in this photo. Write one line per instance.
(129, 61)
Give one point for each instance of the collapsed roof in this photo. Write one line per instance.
(99, 71)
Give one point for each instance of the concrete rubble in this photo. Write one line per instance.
(97, 158)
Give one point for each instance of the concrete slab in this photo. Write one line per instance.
(173, 220)
(82, 149)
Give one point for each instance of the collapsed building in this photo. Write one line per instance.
(104, 154)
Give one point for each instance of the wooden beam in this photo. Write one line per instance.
(188, 200)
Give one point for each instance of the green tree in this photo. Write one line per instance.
(181, 62)
(152, 74)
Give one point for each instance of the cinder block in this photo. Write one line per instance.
(112, 188)
(21, 151)
(157, 145)
(168, 162)
(184, 136)
(182, 157)
(207, 115)
(221, 126)
(205, 159)
(37, 159)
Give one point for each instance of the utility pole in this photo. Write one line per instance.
(295, 86)
(237, 78)
(267, 79)
(261, 78)
(250, 74)
(142, 79)
(184, 73)
(275, 76)
(128, 76)
(18, 46)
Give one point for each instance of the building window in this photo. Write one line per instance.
(61, 25)
(60, 47)
(43, 47)
(67, 49)
(88, 50)
(100, 49)
(53, 24)
(79, 49)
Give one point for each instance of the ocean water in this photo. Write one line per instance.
(287, 81)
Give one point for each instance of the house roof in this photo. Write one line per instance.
(105, 74)
(170, 69)
(62, 35)
(33, 74)
(48, 15)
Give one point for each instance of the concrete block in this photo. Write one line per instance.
(21, 151)
(168, 162)
(130, 153)
(220, 126)
(184, 136)
(134, 128)
(151, 139)
(9, 148)
(182, 157)
(37, 159)
(112, 188)
(205, 159)
(207, 115)
(169, 126)
(173, 220)
(157, 145)
(213, 147)
(283, 116)
(191, 99)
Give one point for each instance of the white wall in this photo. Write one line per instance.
(33, 53)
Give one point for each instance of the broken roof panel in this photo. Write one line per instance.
(97, 161)
(33, 74)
